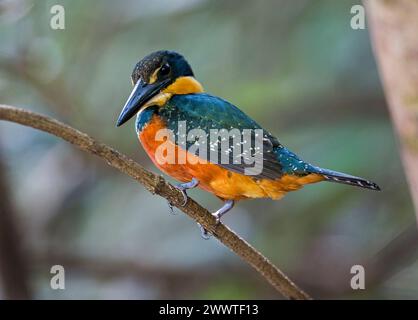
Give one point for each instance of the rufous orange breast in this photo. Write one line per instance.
(213, 178)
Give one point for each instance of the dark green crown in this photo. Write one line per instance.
(179, 67)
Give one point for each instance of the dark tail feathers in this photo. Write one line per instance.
(339, 177)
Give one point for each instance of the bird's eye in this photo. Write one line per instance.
(165, 70)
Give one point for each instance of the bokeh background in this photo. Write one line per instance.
(295, 66)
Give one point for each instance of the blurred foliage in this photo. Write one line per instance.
(295, 66)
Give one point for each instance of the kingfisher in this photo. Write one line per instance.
(166, 97)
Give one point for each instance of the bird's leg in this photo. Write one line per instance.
(228, 205)
(185, 186)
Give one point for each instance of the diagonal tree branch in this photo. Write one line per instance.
(157, 185)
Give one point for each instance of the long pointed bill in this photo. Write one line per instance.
(141, 93)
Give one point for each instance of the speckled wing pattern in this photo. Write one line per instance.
(204, 111)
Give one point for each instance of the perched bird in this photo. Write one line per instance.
(166, 96)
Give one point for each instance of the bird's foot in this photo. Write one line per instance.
(171, 208)
(228, 205)
(182, 187)
(203, 232)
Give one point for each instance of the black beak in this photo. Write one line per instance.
(141, 93)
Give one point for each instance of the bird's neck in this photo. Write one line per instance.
(182, 85)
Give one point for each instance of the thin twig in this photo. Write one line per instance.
(157, 185)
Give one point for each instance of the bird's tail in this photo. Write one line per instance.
(334, 176)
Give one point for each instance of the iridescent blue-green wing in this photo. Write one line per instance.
(203, 111)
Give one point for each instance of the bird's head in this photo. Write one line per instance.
(156, 78)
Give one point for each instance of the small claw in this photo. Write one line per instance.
(185, 197)
(170, 206)
(182, 187)
(203, 232)
(217, 218)
(228, 205)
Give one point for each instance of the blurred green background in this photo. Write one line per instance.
(295, 66)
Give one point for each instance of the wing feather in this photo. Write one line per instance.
(203, 111)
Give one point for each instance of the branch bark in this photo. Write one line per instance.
(157, 185)
(393, 27)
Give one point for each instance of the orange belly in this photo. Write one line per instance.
(213, 178)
